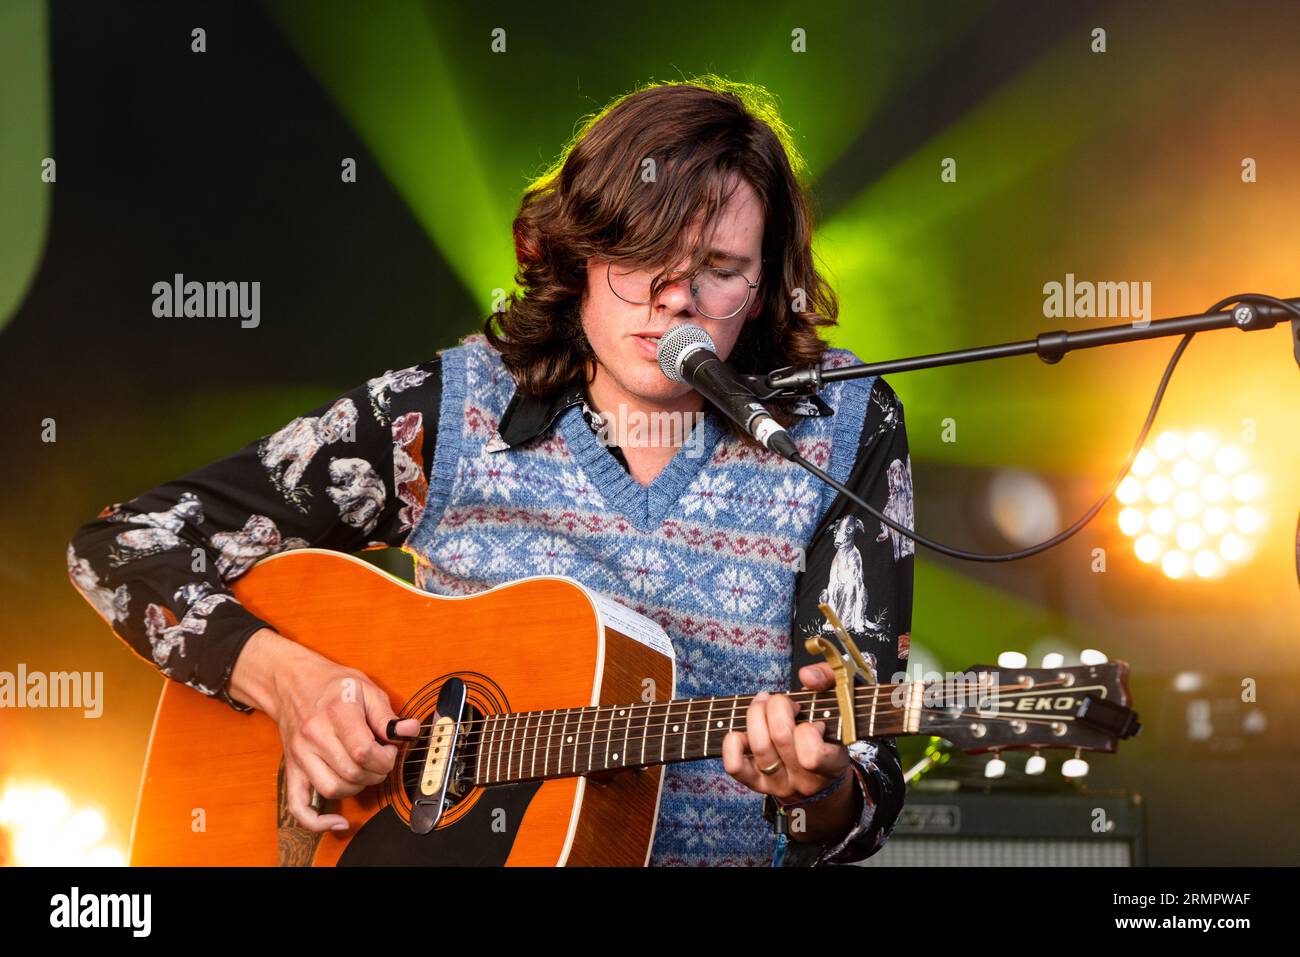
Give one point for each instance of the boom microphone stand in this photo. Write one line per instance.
(1251, 312)
(1051, 347)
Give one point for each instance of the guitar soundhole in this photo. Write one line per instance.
(462, 765)
(402, 789)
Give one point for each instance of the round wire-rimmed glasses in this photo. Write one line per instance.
(717, 292)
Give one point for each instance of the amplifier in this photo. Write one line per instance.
(958, 829)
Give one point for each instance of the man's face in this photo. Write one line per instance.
(620, 332)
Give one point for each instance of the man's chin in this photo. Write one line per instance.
(659, 389)
(643, 381)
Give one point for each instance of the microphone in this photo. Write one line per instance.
(687, 354)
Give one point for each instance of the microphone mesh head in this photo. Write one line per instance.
(673, 347)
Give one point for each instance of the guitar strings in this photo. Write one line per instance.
(505, 731)
(518, 755)
(590, 746)
(489, 779)
(802, 696)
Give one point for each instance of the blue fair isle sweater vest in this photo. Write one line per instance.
(710, 551)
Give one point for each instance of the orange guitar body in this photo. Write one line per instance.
(211, 792)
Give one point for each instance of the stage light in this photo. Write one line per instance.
(85, 828)
(1169, 445)
(1228, 460)
(1215, 520)
(1022, 507)
(1129, 491)
(1186, 472)
(1255, 721)
(1189, 536)
(1131, 520)
(1246, 487)
(47, 831)
(1148, 548)
(1174, 564)
(1246, 519)
(1214, 488)
(1206, 564)
(1194, 508)
(1200, 445)
(1160, 489)
(1233, 547)
(1188, 504)
(1161, 521)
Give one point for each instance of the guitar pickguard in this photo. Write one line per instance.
(483, 837)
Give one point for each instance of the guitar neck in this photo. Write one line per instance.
(535, 745)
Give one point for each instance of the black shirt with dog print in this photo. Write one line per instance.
(159, 567)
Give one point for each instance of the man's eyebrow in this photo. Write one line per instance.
(731, 257)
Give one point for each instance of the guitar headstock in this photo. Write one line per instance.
(990, 707)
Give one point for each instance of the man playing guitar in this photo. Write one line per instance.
(520, 452)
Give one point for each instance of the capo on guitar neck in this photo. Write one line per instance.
(847, 666)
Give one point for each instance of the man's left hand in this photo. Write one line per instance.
(801, 762)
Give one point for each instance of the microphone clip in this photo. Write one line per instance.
(788, 382)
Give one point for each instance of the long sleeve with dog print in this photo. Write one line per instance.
(863, 569)
(354, 473)
(346, 476)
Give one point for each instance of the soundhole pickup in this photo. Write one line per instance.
(433, 773)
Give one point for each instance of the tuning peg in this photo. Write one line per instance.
(1036, 764)
(1012, 660)
(995, 768)
(1053, 659)
(1091, 656)
(1075, 767)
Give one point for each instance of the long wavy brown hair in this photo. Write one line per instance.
(596, 199)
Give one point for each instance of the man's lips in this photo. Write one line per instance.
(648, 343)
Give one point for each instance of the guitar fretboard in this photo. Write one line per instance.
(530, 745)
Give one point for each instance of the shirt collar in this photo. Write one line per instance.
(527, 417)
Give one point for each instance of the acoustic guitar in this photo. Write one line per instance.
(547, 715)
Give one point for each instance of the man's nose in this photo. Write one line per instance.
(677, 296)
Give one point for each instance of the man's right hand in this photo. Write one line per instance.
(332, 722)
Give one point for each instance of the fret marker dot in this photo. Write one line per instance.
(615, 755)
(675, 727)
(826, 714)
(719, 724)
(569, 738)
